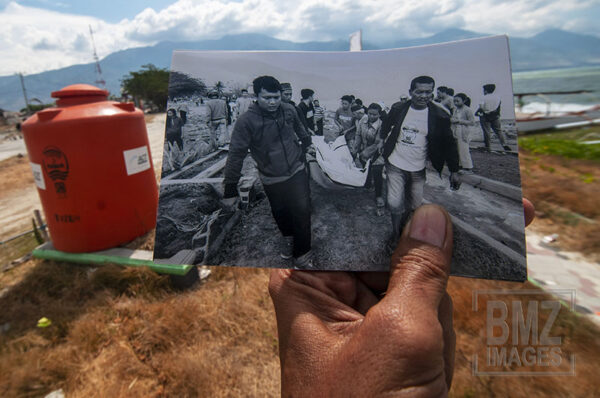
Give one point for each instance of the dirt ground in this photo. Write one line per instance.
(18, 196)
(335, 237)
(495, 165)
(565, 193)
(335, 222)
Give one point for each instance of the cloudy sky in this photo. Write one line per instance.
(39, 35)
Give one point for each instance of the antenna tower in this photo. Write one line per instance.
(99, 80)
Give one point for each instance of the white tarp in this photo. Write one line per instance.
(335, 161)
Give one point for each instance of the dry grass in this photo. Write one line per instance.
(579, 337)
(565, 193)
(124, 332)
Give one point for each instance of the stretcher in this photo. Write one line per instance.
(332, 165)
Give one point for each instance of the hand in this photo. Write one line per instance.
(336, 337)
(229, 204)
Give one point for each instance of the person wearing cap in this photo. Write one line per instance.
(277, 139)
(218, 119)
(286, 94)
(306, 110)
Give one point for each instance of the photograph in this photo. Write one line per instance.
(317, 160)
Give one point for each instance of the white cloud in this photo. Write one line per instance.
(33, 40)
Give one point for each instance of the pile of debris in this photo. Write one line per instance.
(185, 211)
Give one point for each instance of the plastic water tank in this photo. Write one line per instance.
(91, 162)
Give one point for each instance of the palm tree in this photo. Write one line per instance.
(219, 86)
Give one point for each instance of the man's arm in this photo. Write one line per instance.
(377, 145)
(301, 132)
(450, 146)
(387, 124)
(238, 149)
(355, 150)
(301, 110)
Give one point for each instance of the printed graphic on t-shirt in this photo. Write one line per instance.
(410, 151)
(409, 134)
(309, 114)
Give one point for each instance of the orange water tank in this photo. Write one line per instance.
(92, 166)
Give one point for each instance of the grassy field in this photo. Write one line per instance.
(120, 332)
(565, 189)
(567, 144)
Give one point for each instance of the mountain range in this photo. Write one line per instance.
(549, 49)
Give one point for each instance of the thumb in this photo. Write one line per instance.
(421, 263)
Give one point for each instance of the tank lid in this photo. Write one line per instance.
(79, 90)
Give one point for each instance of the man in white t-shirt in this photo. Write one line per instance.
(243, 103)
(415, 131)
(489, 117)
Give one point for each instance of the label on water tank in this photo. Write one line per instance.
(137, 160)
(38, 176)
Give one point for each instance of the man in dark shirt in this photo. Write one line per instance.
(415, 131)
(286, 94)
(277, 139)
(306, 109)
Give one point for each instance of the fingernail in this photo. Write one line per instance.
(428, 225)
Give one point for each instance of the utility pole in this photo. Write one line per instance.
(99, 80)
(24, 92)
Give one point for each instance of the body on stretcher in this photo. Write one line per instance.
(333, 166)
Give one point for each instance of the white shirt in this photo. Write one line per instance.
(243, 104)
(490, 103)
(410, 152)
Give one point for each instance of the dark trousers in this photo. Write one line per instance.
(290, 205)
(489, 125)
(175, 138)
(376, 173)
(319, 124)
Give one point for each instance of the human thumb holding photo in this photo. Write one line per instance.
(337, 336)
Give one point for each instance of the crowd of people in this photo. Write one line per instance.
(222, 112)
(398, 141)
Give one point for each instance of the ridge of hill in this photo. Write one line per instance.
(549, 49)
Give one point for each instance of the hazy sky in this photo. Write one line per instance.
(38, 35)
(372, 76)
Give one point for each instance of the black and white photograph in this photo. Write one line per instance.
(316, 160)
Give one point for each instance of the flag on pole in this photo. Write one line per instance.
(356, 41)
